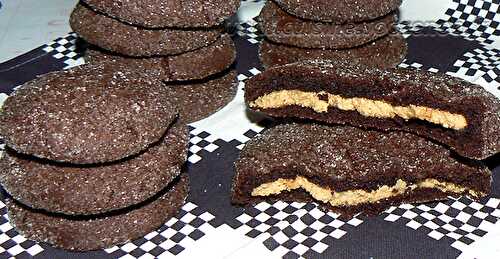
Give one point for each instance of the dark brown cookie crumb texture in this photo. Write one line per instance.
(102, 232)
(165, 13)
(283, 28)
(113, 35)
(343, 11)
(396, 86)
(198, 100)
(386, 52)
(96, 189)
(345, 158)
(193, 65)
(88, 114)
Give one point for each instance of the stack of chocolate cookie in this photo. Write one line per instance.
(93, 157)
(373, 138)
(181, 43)
(358, 31)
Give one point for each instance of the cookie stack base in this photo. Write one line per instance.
(98, 232)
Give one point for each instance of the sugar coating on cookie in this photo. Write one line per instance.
(192, 65)
(281, 27)
(167, 13)
(113, 35)
(103, 231)
(340, 12)
(386, 52)
(88, 114)
(86, 190)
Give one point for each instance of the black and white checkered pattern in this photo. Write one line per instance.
(475, 19)
(249, 134)
(460, 222)
(65, 49)
(199, 142)
(493, 76)
(250, 73)
(176, 235)
(295, 229)
(406, 64)
(478, 62)
(13, 244)
(248, 30)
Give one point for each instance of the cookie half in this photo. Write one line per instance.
(386, 52)
(198, 100)
(85, 190)
(459, 114)
(351, 170)
(93, 233)
(283, 28)
(113, 35)
(341, 11)
(167, 13)
(193, 65)
(88, 114)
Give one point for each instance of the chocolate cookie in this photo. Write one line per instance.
(281, 27)
(198, 100)
(166, 13)
(351, 170)
(88, 114)
(84, 190)
(452, 111)
(193, 65)
(341, 11)
(386, 52)
(92, 233)
(125, 39)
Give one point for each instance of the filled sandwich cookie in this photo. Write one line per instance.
(456, 113)
(351, 170)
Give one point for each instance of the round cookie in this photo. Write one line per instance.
(199, 100)
(85, 190)
(92, 233)
(88, 114)
(125, 39)
(342, 11)
(386, 52)
(193, 65)
(167, 13)
(281, 27)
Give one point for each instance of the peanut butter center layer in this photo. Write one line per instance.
(320, 102)
(354, 197)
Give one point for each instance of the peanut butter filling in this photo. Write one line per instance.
(366, 107)
(354, 197)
